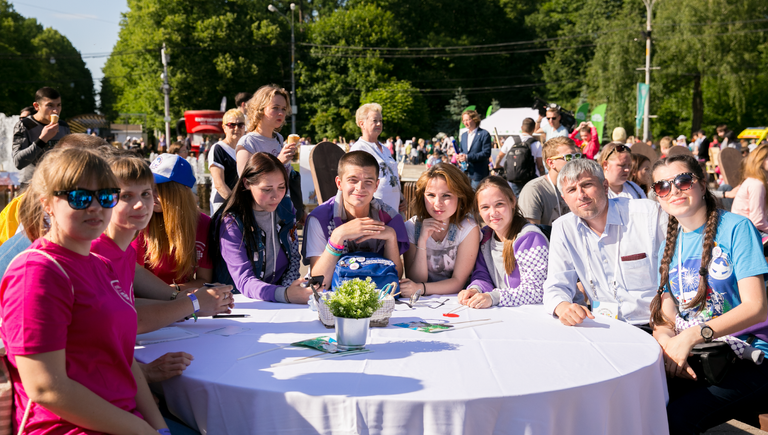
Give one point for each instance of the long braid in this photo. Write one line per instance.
(657, 316)
(710, 231)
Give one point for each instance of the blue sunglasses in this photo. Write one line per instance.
(80, 199)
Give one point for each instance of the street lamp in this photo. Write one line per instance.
(272, 8)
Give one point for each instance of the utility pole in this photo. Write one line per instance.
(647, 33)
(294, 108)
(167, 92)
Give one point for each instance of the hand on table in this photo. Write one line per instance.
(409, 288)
(214, 300)
(297, 294)
(479, 300)
(466, 295)
(167, 366)
(572, 314)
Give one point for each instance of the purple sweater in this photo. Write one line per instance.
(525, 285)
(232, 249)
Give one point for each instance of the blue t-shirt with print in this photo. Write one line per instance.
(738, 254)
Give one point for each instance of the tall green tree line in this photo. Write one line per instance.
(32, 57)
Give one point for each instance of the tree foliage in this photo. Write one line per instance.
(26, 51)
(217, 48)
(403, 108)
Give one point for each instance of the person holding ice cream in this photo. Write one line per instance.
(36, 134)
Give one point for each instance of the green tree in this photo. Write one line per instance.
(26, 65)
(403, 109)
(331, 85)
(217, 48)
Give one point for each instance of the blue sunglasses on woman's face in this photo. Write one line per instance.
(80, 199)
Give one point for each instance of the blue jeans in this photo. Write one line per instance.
(695, 406)
(517, 188)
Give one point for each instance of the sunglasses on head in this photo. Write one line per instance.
(683, 182)
(567, 157)
(235, 124)
(80, 199)
(619, 149)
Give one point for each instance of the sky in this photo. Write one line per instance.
(90, 25)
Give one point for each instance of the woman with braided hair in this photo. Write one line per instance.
(711, 287)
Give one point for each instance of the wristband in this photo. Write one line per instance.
(331, 251)
(164, 431)
(425, 289)
(335, 246)
(195, 304)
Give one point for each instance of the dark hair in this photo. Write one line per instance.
(240, 201)
(46, 93)
(240, 204)
(518, 220)
(175, 147)
(242, 97)
(710, 231)
(637, 162)
(528, 125)
(357, 158)
(30, 109)
(457, 182)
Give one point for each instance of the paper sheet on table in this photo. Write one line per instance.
(171, 333)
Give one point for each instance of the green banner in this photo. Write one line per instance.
(581, 113)
(598, 120)
(642, 98)
(488, 112)
(461, 124)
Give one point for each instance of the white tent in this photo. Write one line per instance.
(508, 121)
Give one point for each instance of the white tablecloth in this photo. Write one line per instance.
(526, 375)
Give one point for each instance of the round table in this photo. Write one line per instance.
(526, 373)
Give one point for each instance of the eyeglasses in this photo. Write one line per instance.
(567, 157)
(683, 182)
(618, 149)
(233, 124)
(80, 199)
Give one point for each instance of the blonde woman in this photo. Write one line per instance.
(751, 199)
(174, 245)
(67, 324)
(368, 117)
(267, 111)
(223, 159)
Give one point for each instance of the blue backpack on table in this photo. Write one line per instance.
(363, 265)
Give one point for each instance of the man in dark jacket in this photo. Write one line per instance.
(34, 135)
(475, 148)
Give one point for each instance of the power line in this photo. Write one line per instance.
(87, 17)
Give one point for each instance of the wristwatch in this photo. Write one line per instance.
(706, 333)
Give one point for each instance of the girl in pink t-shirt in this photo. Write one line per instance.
(750, 201)
(69, 326)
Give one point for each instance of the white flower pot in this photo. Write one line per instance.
(352, 334)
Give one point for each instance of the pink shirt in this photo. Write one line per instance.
(165, 270)
(88, 315)
(750, 203)
(122, 262)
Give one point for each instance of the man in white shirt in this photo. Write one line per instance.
(610, 245)
(550, 125)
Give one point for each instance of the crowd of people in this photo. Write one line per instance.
(103, 245)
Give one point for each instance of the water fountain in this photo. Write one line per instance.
(6, 142)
